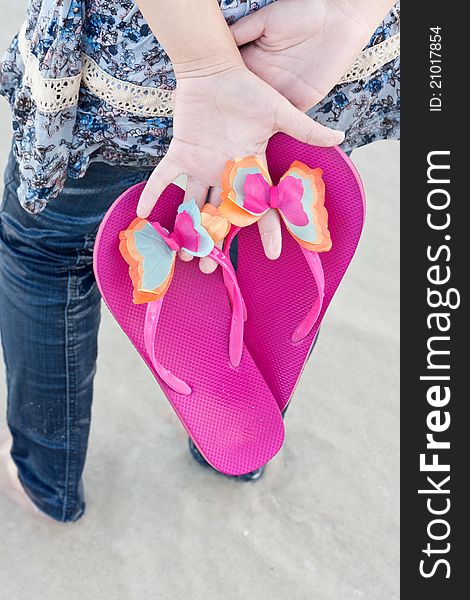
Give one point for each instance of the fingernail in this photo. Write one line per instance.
(272, 247)
(207, 265)
(338, 137)
(142, 212)
(144, 207)
(146, 203)
(185, 256)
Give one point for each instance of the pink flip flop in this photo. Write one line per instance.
(320, 198)
(184, 327)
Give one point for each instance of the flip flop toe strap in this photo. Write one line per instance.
(228, 280)
(152, 317)
(238, 306)
(316, 268)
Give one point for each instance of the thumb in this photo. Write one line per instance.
(249, 28)
(297, 124)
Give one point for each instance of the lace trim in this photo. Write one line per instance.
(128, 97)
(53, 95)
(372, 59)
(50, 95)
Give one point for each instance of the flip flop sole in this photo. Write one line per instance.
(231, 414)
(279, 293)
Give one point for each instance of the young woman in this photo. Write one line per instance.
(92, 88)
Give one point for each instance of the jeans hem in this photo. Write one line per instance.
(53, 512)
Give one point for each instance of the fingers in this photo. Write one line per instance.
(215, 196)
(207, 265)
(185, 256)
(162, 176)
(270, 232)
(269, 227)
(196, 190)
(249, 28)
(300, 126)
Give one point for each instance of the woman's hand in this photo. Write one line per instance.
(223, 116)
(302, 48)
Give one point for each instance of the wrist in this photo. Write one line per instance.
(205, 66)
(367, 14)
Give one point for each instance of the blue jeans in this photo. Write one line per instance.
(49, 318)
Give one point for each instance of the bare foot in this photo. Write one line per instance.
(10, 485)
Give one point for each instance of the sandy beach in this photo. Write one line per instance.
(322, 524)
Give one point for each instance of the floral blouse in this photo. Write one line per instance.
(85, 78)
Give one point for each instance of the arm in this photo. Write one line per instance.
(194, 35)
(368, 12)
(303, 47)
(222, 111)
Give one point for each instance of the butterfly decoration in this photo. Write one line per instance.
(150, 250)
(248, 193)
